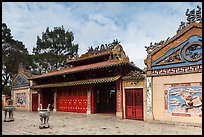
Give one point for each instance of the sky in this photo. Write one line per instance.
(134, 24)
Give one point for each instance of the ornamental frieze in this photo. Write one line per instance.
(177, 70)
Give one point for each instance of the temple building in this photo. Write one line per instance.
(102, 80)
(174, 74)
(21, 94)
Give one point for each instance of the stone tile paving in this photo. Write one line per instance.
(68, 123)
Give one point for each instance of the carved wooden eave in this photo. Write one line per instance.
(80, 82)
(134, 75)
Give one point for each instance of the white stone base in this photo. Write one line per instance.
(88, 112)
(119, 114)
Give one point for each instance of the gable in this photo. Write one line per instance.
(20, 81)
(187, 53)
(183, 49)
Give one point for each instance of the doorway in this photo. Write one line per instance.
(134, 103)
(47, 98)
(105, 98)
(34, 102)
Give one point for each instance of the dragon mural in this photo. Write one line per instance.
(184, 99)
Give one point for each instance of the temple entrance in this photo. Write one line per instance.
(105, 98)
(134, 103)
(47, 97)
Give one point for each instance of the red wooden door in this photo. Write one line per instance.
(134, 104)
(73, 100)
(34, 102)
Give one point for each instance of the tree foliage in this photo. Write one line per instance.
(13, 54)
(53, 48)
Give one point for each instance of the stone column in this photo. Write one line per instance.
(149, 98)
(55, 101)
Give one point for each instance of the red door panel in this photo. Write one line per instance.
(69, 105)
(60, 103)
(34, 102)
(84, 104)
(65, 104)
(75, 104)
(129, 112)
(139, 104)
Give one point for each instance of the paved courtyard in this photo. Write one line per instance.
(63, 123)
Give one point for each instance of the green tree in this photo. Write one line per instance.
(13, 54)
(53, 48)
(7, 90)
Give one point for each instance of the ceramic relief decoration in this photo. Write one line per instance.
(183, 99)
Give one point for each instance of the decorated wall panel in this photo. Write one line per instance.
(184, 99)
(21, 100)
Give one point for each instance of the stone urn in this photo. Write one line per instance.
(44, 116)
(8, 109)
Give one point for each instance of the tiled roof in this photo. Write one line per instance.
(90, 57)
(80, 82)
(93, 66)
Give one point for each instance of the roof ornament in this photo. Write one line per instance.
(102, 47)
(154, 46)
(192, 16)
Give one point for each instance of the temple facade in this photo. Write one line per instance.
(102, 80)
(21, 94)
(174, 74)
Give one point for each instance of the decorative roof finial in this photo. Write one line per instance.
(192, 16)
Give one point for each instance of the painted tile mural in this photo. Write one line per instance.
(183, 99)
(20, 99)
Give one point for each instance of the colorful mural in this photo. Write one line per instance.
(20, 99)
(183, 99)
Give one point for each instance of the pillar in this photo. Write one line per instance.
(88, 102)
(29, 99)
(89, 99)
(55, 101)
(119, 100)
(149, 98)
(39, 96)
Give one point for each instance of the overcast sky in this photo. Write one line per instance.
(135, 24)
